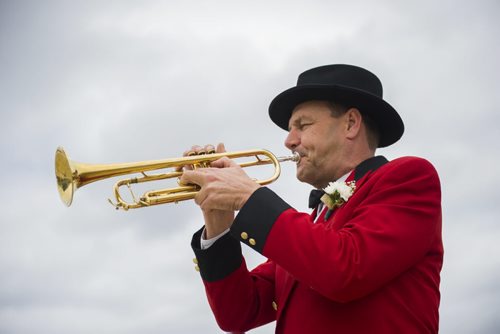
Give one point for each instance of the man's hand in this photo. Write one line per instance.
(225, 188)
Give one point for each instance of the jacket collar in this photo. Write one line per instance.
(369, 165)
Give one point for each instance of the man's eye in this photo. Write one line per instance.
(304, 125)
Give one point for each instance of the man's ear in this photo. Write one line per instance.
(354, 120)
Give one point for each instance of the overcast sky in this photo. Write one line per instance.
(119, 81)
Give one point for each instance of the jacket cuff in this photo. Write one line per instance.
(256, 219)
(220, 259)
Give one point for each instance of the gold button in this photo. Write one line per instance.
(195, 261)
(196, 268)
(275, 306)
(252, 241)
(244, 235)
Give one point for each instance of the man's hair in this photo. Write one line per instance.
(372, 130)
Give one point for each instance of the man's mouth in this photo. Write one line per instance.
(301, 155)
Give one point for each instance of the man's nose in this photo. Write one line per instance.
(292, 140)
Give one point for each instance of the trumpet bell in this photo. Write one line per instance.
(64, 176)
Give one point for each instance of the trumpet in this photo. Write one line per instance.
(72, 175)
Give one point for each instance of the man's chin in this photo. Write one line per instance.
(301, 176)
(307, 176)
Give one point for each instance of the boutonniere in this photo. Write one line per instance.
(336, 194)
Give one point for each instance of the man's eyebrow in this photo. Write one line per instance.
(294, 122)
(299, 120)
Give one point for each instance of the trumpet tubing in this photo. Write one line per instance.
(72, 175)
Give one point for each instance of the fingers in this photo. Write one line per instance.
(224, 189)
(222, 162)
(191, 178)
(207, 149)
(188, 153)
(198, 150)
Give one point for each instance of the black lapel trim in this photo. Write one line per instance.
(369, 165)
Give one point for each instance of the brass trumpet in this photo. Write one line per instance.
(71, 175)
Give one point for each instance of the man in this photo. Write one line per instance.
(369, 263)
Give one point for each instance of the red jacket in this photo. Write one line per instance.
(372, 267)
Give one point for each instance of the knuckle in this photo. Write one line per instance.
(210, 178)
(210, 149)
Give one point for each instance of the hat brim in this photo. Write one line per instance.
(389, 122)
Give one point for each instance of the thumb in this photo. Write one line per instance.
(220, 148)
(223, 162)
(192, 177)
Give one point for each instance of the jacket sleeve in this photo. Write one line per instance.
(240, 300)
(385, 228)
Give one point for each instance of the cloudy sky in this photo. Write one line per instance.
(118, 81)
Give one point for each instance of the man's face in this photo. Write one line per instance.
(319, 139)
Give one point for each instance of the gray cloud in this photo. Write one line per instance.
(124, 81)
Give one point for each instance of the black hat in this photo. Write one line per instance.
(345, 84)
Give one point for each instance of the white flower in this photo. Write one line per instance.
(337, 193)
